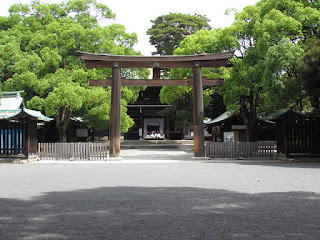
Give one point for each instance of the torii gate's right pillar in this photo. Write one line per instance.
(198, 114)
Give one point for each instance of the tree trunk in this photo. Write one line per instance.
(251, 132)
(183, 134)
(248, 107)
(62, 123)
(315, 102)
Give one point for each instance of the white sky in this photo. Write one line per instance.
(136, 15)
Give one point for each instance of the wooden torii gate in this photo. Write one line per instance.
(116, 62)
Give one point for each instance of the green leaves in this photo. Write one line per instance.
(271, 36)
(169, 30)
(27, 81)
(36, 103)
(39, 45)
(51, 59)
(309, 70)
(278, 25)
(169, 94)
(68, 95)
(280, 79)
(83, 9)
(206, 41)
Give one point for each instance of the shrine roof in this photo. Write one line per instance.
(11, 100)
(12, 107)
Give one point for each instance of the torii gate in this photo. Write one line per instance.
(116, 62)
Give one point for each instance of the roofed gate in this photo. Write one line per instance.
(116, 62)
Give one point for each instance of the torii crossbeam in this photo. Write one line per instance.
(116, 62)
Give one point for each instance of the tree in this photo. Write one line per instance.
(310, 72)
(62, 102)
(180, 98)
(271, 38)
(169, 30)
(281, 76)
(39, 45)
(166, 34)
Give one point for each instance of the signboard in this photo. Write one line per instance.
(82, 132)
(238, 127)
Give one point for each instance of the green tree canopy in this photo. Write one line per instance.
(269, 39)
(39, 45)
(169, 30)
(310, 72)
(271, 35)
(203, 41)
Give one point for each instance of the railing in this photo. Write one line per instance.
(73, 151)
(245, 150)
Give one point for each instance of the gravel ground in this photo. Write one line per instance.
(167, 199)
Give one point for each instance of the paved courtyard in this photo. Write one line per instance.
(163, 198)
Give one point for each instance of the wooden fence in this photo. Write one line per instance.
(73, 151)
(245, 150)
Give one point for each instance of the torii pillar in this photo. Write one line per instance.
(115, 114)
(198, 114)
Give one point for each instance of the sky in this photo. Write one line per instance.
(136, 15)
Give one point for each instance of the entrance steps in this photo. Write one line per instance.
(157, 144)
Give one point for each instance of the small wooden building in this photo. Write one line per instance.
(18, 126)
(231, 128)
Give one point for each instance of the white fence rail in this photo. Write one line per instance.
(246, 150)
(73, 151)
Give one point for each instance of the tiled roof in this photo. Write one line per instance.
(12, 105)
(220, 118)
(282, 112)
(11, 101)
(11, 114)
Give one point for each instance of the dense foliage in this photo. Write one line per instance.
(269, 40)
(272, 36)
(310, 72)
(203, 41)
(166, 34)
(169, 30)
(39, 45)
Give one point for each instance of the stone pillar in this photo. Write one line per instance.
(198, 114)
(115, 121)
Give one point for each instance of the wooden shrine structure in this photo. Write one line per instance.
(18, 127)
(116, 62)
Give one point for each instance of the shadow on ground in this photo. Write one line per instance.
(161, 213)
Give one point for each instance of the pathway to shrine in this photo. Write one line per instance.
(116, 62)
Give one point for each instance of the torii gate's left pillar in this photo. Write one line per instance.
(198, 114)
(115, 114)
